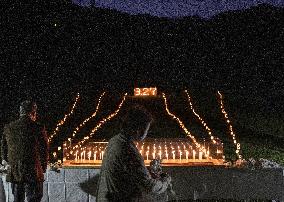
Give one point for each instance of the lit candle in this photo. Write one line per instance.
(160, 154)
(102, 155)
(81, 156)
(153, 155)
(180, 153)
(186, 153)
(167, 155)
(84, 155)
(174, 156)
(147, 154)
(95, 155)
(70, 143)
(193, 154)
(76, 154)
(141, 152)
(200, 155)
(89, 155)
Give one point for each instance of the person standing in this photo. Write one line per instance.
(123, 175)
(24, 147)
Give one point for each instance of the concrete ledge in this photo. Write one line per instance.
(56, 177)
(76, 175)
(75, 193)
(79, 185)
(56, 191)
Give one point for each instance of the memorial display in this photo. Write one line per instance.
(175, 151)
(184, 151)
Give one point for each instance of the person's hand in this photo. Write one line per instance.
(5, 166)
(166, 178)
(4, 163)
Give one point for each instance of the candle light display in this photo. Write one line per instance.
(174, 152)
(182, 125)
(102, 122)
(86, 120)
(145, 91)
(182, 151)
(213, 139)
(61, 122)
(238, 145)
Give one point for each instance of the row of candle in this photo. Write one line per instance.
(89, 155)
(98, 155)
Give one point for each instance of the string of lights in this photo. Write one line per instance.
(182, 126)
(213, 139)
(101, 123)
(237, 144)
(61, 122)
(86, 120)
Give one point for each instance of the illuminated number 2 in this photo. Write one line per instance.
(145, 91)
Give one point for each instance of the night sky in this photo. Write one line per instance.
(50, 51)
(176, 8)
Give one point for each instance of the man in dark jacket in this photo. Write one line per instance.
(24, 147)
(124, 176)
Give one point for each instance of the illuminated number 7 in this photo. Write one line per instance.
(153, 90)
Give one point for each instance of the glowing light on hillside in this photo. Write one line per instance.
(61, 122)
(101, 123)
(213, 139)
(182, 126)
(86, 120)
(237, 144)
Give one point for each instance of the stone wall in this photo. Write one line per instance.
(79, 185)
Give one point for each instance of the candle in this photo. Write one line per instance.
(89, 155)
(70, 143)
(167, 155)
(208, 151)
(141, 152)
(81, 156)
(160, 153)
(186, 153)
(180, 153)
(102, 155)
(147, 154)
(153, 155)
(76, 155)
(193, 154)
(95, 155)
(174, 157)
(200, 155)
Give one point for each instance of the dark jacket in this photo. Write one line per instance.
(24, 146)
(123, 175)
